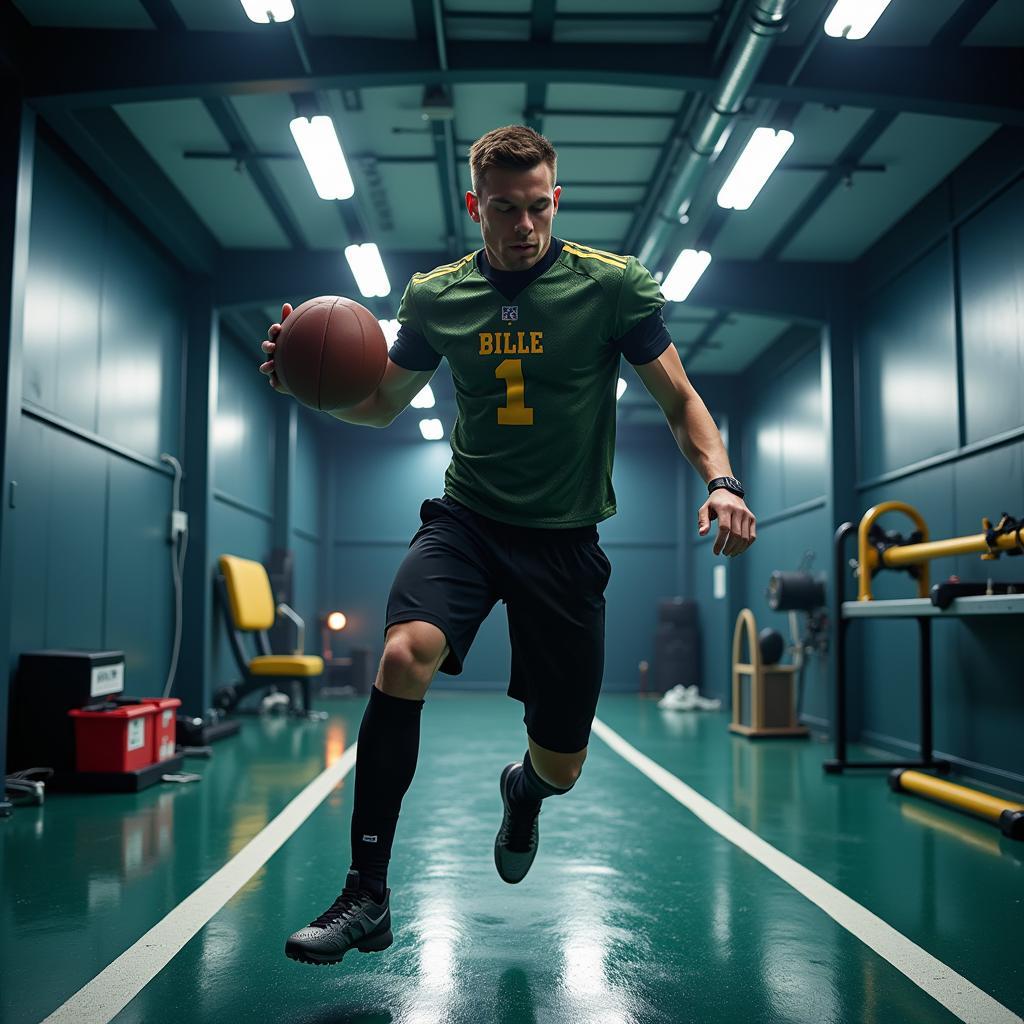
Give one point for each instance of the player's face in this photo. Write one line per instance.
(514, 210)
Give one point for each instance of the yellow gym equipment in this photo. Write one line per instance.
(1007, 814)
(763, 696)
(880, 549)
(877, 549)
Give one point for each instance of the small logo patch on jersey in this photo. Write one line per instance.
(369, 839)
(509, 312)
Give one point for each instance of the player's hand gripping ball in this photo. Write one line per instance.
(330, 353)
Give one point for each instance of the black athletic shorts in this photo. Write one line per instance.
(460, 564)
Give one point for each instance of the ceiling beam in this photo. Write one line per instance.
(787, 290)
(257, 277)
(963, 22)
(851, 155)
(224, 115)
(164, 15)
(703, 339)
(430, 29)
(96, 67)
(977, 82)
(578, 17)
(106, 145)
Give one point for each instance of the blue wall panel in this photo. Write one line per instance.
(75, 559)
(716, 622)
(992, 285)
(783, 467)
(763, 457)
(307, 510)
(311, 469)
(803, 436)
(378, 486)
(63, 297)
(142, 338)
(30, 521)
(306, 596)
(139, 598)
(60, 573)
(642, 543)
(243, 462)
(907, 368)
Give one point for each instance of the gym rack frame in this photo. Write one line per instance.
(912, 556)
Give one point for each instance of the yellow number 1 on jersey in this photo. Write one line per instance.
(515, 413)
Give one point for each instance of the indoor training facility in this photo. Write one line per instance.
(803, 793)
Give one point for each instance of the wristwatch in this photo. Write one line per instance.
(730, 483)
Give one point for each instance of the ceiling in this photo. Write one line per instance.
(182, 108)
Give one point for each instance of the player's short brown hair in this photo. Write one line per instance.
(515, 146)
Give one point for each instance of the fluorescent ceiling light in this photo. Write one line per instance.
(425, 399)
(265, 11)
(431, 430)
(754, 167)
(684, 274)
(368, 270)
(620, 389)
(390, 329)
(321, 152)
(854, 19)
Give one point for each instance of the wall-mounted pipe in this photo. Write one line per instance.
(765, 20)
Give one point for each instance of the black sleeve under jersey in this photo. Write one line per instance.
(411, 351)
(645, 341)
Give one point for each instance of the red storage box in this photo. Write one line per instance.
(164, 726)
(115, 740)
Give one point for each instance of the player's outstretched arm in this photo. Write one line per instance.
(699, 440)
(398, 387)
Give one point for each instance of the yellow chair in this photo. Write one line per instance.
(245, 595)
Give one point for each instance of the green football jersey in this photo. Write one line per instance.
(535, 380)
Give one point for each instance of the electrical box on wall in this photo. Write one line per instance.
(179, 524)
(719, 582)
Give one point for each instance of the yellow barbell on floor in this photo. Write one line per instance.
(1007, 814)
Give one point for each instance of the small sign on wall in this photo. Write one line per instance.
(719, 582)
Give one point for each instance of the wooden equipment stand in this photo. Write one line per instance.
(772, 694)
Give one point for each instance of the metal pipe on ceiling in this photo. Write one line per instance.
(765, 20)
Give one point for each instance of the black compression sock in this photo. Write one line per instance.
(528, 789)
(389, 742)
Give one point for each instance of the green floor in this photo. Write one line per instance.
(634, 913)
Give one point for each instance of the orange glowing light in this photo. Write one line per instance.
(336, 742)
(336, 621)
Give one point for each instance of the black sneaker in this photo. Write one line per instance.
(353, 919)
(516, 843)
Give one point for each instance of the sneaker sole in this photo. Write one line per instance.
(302, 956)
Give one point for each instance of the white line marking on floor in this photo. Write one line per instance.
(942, 983)
(117, 985)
